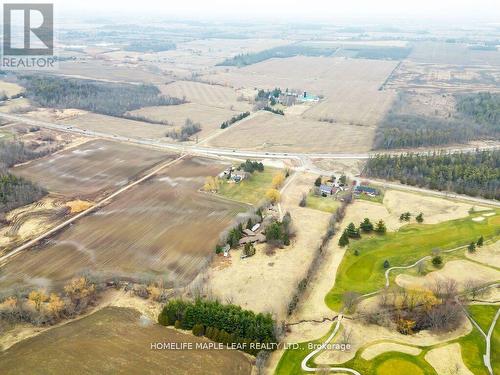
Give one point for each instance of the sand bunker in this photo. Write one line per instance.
(447, 360)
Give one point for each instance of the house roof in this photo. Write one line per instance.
(248, 232)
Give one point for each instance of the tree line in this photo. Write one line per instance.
(16, 191)
(477, 117)
(278, 52)
(239, 325)
(186, 131)
(106, 98)
(150, 46)
(234, 119)
(475, 173)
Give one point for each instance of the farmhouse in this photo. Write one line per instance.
(326, 189)
(253, 239)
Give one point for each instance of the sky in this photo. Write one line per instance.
(449, 10)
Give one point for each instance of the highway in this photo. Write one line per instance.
(305, 159)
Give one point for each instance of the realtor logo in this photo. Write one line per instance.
(28, 36)
(37, 29)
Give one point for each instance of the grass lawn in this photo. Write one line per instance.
(365, 273)
(251, 190)
(326, 204)
(376, 199)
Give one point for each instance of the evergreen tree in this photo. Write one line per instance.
(366, 226)
(381, 228)
(471, 247)
(352, 231)
(318, 182)
(344, 239)
(420, 218)
(386, 264)
(480, 241)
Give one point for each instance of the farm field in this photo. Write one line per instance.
(162, 227)
(269, 132)
(350, 86)
(210, 118)
(10, 88)
(452, 54)
(90, 168)
(318, 75)
(119, 126)
(100, 69)
(116, 340)
(203, 93)
(441, 78)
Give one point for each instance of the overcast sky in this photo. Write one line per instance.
(488, 10)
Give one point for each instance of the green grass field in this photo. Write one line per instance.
(251, 190)
(365, 273)
(390, 363)
(326, 204)
(473, 345)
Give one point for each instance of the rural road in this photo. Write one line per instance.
(303, 158)
(305, 366)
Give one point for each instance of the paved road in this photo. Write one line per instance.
(487, 356)
(303, 158)
(305, 366)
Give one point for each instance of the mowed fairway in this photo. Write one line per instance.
(90, 168)
(365, 273)
(115, 341)
(270, 132)
(162, 227)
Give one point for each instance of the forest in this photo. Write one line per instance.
(219, 322)
(15, 191)
(277, 52)
(150, 46)
(477, 117)
(106, 98)
(475, 174)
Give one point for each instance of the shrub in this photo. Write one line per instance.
(437, 261)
